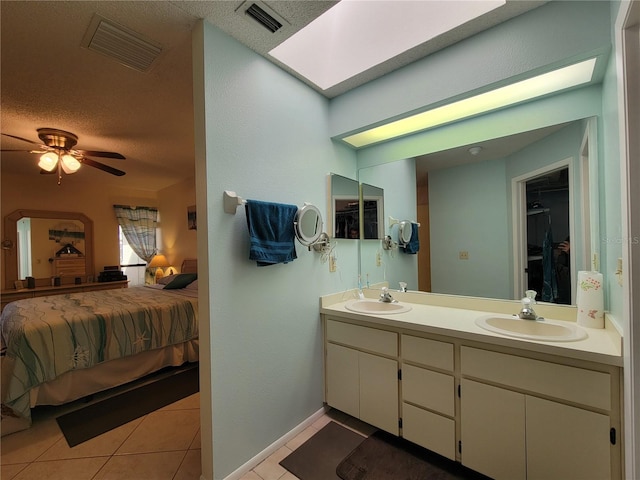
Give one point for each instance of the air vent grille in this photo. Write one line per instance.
(263, 18)
(126, 46)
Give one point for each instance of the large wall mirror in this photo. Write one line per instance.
(43, 244)
(488, 209)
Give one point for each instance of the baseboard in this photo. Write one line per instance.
(255, 461)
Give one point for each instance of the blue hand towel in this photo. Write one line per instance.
(271, 231)
(414, 243)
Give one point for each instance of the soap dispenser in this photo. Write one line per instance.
(527, 312)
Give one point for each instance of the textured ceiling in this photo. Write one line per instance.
(48, 79)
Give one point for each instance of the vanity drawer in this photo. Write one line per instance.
(429, 430)
(428, 389)
(430, 353)
(364, 338)
(573, 384)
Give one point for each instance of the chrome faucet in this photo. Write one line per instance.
(385, 296)
(527, 312)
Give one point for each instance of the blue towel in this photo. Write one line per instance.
(549, 280)
(414, 243)
(271, 231)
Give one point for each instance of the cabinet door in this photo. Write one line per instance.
(342, 379)
(566, 442)
(379, 392)
(492, 423)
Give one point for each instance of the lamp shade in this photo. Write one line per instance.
(159, 261)
(70, 164)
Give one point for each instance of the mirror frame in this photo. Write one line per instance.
(11, 237)
(305, 238)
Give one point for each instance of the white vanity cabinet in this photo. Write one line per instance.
(428, 394)
(362, 373)
(522, 418)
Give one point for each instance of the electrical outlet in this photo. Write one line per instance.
(464, 255)
(378, 259)
(332, 263)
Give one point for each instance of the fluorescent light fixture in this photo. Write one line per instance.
(534, 87)
(355, 35)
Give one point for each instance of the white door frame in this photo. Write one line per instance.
(519, 222)
(627, 38)
(589, 192)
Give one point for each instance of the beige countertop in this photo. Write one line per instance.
(455, 316)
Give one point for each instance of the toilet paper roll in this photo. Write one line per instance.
(590, 300)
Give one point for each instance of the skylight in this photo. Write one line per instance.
(355, 35)
(547, 83)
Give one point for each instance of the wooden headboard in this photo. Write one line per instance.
(189, 265)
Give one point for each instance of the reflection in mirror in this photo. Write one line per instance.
(472, 206)
(46, 244)
(344, 207)
(372, 212)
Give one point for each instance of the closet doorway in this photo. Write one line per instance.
(543, 220)
(548, 265)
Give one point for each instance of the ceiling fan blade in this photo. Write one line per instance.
(102, 166)
(20, 138)
(7, 150)
(94, 153)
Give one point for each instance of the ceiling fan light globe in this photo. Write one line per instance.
(48, 161)
(70, 164)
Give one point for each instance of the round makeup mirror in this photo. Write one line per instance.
(404, 232)
(308, 224)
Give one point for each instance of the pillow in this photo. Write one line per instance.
(192, 286)
(181, 281)
(167, 279)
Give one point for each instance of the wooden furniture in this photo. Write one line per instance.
(505, 412)
(69, 266)
(7, 296)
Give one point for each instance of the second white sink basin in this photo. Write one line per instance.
(542, 330)
(376, 307)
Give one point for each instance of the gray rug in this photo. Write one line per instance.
(318, 457)
(383, 456)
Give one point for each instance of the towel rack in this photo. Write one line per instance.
(395, 221)
(231, 201)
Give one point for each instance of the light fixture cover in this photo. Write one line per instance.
(48, 161)
(70, 164)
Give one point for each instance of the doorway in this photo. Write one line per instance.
(548, 268)
(542, 220)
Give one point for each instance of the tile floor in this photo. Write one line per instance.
(163, 445)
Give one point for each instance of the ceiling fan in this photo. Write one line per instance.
(58, 154)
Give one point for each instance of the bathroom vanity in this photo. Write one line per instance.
(510, 408)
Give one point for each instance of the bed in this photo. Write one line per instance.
(60, 348)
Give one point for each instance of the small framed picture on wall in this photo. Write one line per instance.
(191, 218)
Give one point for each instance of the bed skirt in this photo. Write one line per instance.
(76, 384)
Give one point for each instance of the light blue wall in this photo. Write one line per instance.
(468, 210)
(264, 135)
(398, 180)
(612, 238)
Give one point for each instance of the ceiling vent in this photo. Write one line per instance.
(124, 45)
(262, 14)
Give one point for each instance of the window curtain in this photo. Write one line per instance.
(139, 227)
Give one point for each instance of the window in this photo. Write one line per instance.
(132, 265)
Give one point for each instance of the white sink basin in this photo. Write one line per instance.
(542, 330)
(376, 307)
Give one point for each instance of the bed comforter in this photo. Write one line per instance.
(45, 337)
